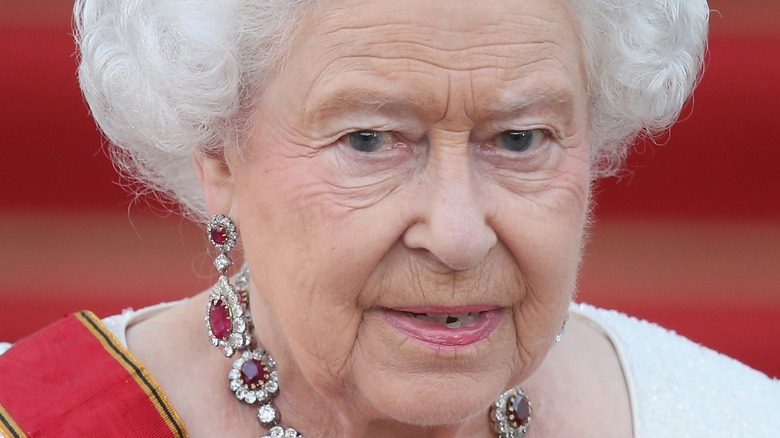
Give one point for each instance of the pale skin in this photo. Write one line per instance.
(441, 206)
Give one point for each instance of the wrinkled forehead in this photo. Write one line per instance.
(505, 49)
(445, 32)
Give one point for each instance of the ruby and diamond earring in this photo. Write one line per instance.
(227, 319)
(253, 378)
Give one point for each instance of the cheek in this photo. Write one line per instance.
(310, 258)
(544, 234)
(546, 244)
(544, 228)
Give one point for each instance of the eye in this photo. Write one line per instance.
(368, 141)
(520, 141)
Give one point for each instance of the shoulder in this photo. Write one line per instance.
(119, 323)
(680, 388)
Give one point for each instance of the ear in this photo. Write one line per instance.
(216, 181)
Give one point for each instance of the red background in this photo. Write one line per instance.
(689, 236)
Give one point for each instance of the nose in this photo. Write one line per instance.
(451, 216)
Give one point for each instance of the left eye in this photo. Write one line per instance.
(367, 140)
(520, 141)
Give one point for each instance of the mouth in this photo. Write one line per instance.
(445, 327)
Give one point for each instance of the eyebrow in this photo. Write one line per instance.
(355, 100)
(349, 99)
(535, 99)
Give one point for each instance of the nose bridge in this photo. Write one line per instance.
(452, 186)
(452, 214)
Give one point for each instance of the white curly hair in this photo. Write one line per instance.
(165, 79)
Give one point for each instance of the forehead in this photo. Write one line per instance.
(406, 46)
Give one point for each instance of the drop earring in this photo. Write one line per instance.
(559, 336)
(227, 317)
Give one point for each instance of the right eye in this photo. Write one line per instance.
(520, 141)
(369, 141)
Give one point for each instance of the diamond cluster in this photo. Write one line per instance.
(510, 415)
(221, 232)
(253, 378)
(226, 328)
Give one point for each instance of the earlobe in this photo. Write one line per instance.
(216, 181)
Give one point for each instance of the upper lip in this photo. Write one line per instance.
(447, 310)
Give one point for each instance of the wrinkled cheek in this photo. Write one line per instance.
(532, 327)
(326, 318)
(319, 336)
(307, 290)
(323, 347)
(539, 316)
(548, 255)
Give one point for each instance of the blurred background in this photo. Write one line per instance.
(688, 236)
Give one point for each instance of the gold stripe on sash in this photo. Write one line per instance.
(8, 426)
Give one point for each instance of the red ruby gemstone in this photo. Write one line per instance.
(218, 234)
(253, 373)
(219, 318)
(520, 411)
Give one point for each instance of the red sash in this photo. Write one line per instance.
(74, 379)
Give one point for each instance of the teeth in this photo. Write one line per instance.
(452, 321)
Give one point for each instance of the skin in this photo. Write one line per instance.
(442, 214)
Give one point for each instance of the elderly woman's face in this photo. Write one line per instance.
(418, 158)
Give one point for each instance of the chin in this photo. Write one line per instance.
(434, 400)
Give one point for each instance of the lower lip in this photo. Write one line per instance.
(437, 335)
